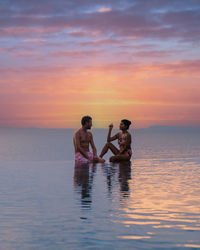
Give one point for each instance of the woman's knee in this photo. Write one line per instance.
(108, 144)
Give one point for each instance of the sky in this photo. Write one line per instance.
(112, 60)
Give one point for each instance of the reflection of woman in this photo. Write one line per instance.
(124, 176)
(124, 140)
(83, 181)
(109, 172)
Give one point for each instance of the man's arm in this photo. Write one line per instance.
(79, 148)
(94, 150)
(109, 138)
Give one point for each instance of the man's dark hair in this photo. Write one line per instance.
(85, 119)
(127, 123)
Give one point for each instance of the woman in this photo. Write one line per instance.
(124, 140)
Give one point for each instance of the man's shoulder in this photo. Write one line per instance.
(89, 133)
(77, 132)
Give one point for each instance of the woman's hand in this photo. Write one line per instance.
(111, 126)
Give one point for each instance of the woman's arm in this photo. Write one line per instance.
(109, 138)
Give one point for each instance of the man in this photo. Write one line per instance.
(82, 139)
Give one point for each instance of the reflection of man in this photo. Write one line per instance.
(82, 140)
(83, 182)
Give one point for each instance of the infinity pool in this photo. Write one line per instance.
(152, 202)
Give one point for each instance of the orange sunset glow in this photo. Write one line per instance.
(107, 59)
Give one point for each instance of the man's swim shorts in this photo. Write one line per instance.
(79, 158)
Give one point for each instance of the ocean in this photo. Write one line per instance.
(47, 202)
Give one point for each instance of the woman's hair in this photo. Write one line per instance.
(127, 123)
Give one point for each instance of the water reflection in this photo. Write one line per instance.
(83, 182)
(124, 177)
(109, 171)
(165, 198)
(118, 175)
(123, 172)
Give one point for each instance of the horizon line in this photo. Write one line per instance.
(132, 128)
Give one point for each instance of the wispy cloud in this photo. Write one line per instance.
(77, 53)
(103, 10)
(140, 19)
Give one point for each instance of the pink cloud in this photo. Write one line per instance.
(100, 42)
(35, 40)
(26, 54)
(77, 53)
(103, 10)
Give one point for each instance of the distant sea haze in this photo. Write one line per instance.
(150, 128)
(30, 144)
(173, 129)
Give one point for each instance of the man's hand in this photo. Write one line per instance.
(90, 161)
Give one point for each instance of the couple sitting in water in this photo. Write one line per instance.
(83, 138)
